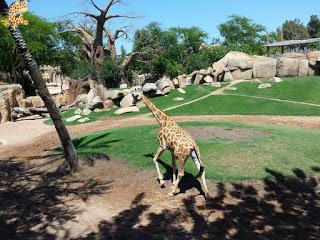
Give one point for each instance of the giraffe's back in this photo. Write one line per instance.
(178, 139)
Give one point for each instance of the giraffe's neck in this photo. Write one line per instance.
(159, 115)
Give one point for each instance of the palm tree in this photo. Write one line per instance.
(70, 153)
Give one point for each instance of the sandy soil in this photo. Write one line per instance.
(113, 200)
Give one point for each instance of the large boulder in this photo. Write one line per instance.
(182, 81)
(313, 56)
(294, 55)
(240, 63)
(265, 69)
(127, 101)
(113, 95)
(198, 79)
(303, 67)
(149, 87)
(228, 76)
(165, 85)
(208, 79)
(242, 74)
(287, 67)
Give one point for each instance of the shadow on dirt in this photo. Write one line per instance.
(288, 208)
(34, 204)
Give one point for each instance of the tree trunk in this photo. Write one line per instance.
(68, 147)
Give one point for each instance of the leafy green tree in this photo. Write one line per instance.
(313, 26)
(45, 44)
(294, 30)
(241, 33)
(166, 51)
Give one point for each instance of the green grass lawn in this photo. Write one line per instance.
(229, 105)
(300, 89)
(282, 150)
(192, 92)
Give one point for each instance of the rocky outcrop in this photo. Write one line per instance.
(287, 67)
(265, 69)
(11, 96)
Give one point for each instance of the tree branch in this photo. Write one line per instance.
(96, 6)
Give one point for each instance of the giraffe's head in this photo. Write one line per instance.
(137, 93)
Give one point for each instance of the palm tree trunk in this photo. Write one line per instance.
(68, 147)
(67, 144)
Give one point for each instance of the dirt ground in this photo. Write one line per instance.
(113, 200)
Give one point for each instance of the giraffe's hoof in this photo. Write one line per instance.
(171, 194)
(162, 182)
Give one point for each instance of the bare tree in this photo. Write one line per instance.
(68, 147)
(93, 40)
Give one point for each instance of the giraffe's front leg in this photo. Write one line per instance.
(155, 160)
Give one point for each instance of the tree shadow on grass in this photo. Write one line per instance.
(287, 208)
(35, 205)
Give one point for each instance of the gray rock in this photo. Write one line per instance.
(277, 80)
(78, 111)
(180, 90)
(216, 84)
(228, 76)
(148, 87)
(287, 67)
(303, 67)
(127, 110)
(86, 112)
(113, 94)
(127, 101)
(83, 120)
(73, 118)
(208, 79)
(264, 86)
(124, 85)
(198, 79)
(165, 85)
(265, 69)
(188, 81)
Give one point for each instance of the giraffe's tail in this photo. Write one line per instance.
(195, 154)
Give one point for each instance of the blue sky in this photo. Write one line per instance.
(206, 14)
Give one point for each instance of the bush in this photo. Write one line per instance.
(204, 58)
(110, 73)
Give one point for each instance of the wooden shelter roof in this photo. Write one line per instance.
(292, 42)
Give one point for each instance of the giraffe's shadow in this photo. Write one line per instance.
(187, 182)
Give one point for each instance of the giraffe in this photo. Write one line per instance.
(178, 141)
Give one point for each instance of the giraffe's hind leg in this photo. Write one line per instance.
(202, 172)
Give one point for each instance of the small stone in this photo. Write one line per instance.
(73, 118)
(124, 85)
(277, 80)
(127, 110)
(82, 120)
(86, 112)
(180, 90)
(256, 81)
(97, 110)
(231, 88)
(78, 111)
(264, 86)
(216, 84)
(178, 99)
